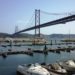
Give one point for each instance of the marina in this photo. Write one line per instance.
(38, 56)
(30, 50)
(43, 44)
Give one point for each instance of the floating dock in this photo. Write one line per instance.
(30, 51)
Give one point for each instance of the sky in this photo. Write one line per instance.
(18, 13)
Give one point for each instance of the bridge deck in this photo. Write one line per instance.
(58, 21)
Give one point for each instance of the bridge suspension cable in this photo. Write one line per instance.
(30, 21)
(57, 14)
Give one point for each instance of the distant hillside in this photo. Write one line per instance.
(26, 35)
(18, 35)
(23, 35)
(62, 35)
(4, 35)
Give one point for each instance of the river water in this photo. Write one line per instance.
(9, 64)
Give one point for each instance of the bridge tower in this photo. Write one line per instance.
(16, 29)
(37, 22)
(38, 39)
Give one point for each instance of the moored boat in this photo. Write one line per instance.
(32, 69)
(56, 69)
(68, 65)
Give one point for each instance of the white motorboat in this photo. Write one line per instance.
(32, 69)
(55, 68)
(68, 65)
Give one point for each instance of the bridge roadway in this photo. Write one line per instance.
(58, 21)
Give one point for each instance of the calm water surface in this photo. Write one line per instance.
(9, 65)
